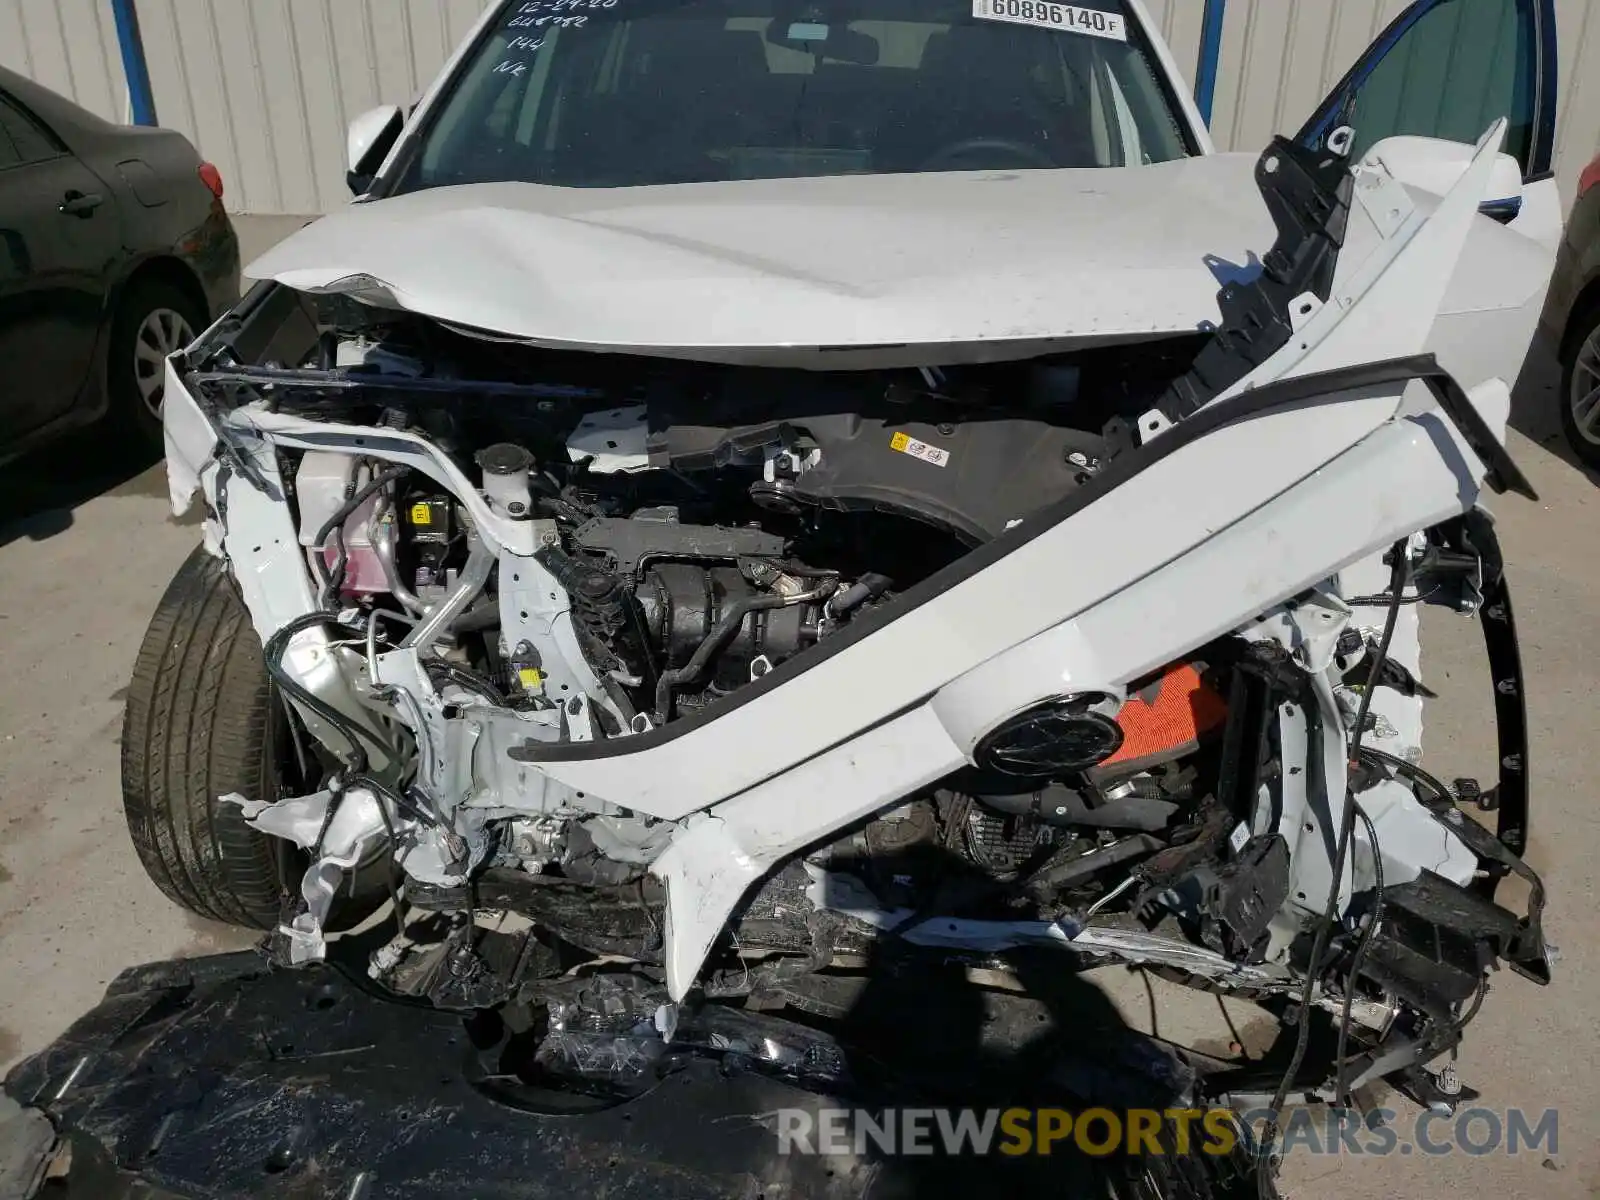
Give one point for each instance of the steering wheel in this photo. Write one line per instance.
(949, 157)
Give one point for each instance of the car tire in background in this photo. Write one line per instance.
(200, 708)
(154, 318)
(1580, 382)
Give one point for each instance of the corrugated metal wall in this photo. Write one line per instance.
(1279, 60)
(69, 46)
(266, 87)
(1180, 22)
(1281, 57)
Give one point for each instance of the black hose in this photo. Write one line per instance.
(331, 578)
(272, 653)
(1358, 959)
(483, 615)
(1477, 1002)
(732, 619)
(324, 576)
(869, 587)
(470, 680)
(1397, 575)
(356, 761)
(402, 803)
(1376, 601)
(1410, 771)
(1064, 874)
(388, 873)
(335, 802)
(1057, 804)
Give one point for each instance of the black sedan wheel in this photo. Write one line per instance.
(1580, 384)
(155, 320)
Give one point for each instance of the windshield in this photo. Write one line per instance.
(617, 93)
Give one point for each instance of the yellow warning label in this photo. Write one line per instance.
(904, 443)
(421, 514)
(530, 677)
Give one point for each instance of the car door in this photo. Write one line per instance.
(59, 241)
(1447, 70)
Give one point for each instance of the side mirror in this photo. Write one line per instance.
(1434, 165)
(372, 135)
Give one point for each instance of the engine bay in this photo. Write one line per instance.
(721, 681)
(699, 526)
(711, 522)
(696, 528)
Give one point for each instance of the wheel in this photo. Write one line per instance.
(1580, 383)
(201, 722)
(154, 320)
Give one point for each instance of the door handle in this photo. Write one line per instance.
(77, 204)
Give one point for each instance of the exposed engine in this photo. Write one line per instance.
(740, 676)
(694, 542)
(729, 522)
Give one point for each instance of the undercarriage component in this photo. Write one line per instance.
(1239, 899)
(448, 1106)
(1438, 940)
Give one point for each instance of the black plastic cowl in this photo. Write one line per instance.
(1308, 193)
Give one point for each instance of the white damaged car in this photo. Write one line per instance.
(752, 488)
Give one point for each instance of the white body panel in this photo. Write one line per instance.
(863, 268)
(723, 269)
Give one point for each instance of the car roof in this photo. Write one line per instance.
(66, 120)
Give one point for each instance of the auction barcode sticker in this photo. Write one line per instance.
(1043, 14)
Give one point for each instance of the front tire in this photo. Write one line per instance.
(1580, 383)
(200, 723)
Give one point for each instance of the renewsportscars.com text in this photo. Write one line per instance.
(1102, 1131)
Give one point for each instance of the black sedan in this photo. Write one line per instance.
(1575, 299)
(114, 252)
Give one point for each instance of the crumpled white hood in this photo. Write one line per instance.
(993, 262)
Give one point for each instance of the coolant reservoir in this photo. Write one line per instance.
(321, 485)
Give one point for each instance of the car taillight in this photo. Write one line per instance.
(212, 178)
(1590, 177)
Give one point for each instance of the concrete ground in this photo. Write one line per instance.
(87, 547)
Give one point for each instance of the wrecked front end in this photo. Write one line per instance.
(661, 692)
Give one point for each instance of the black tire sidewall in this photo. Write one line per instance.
(202, 720)
(178, 757)
(1585, 321)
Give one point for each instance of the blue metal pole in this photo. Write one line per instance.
(1205, 78)
(141, 98)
